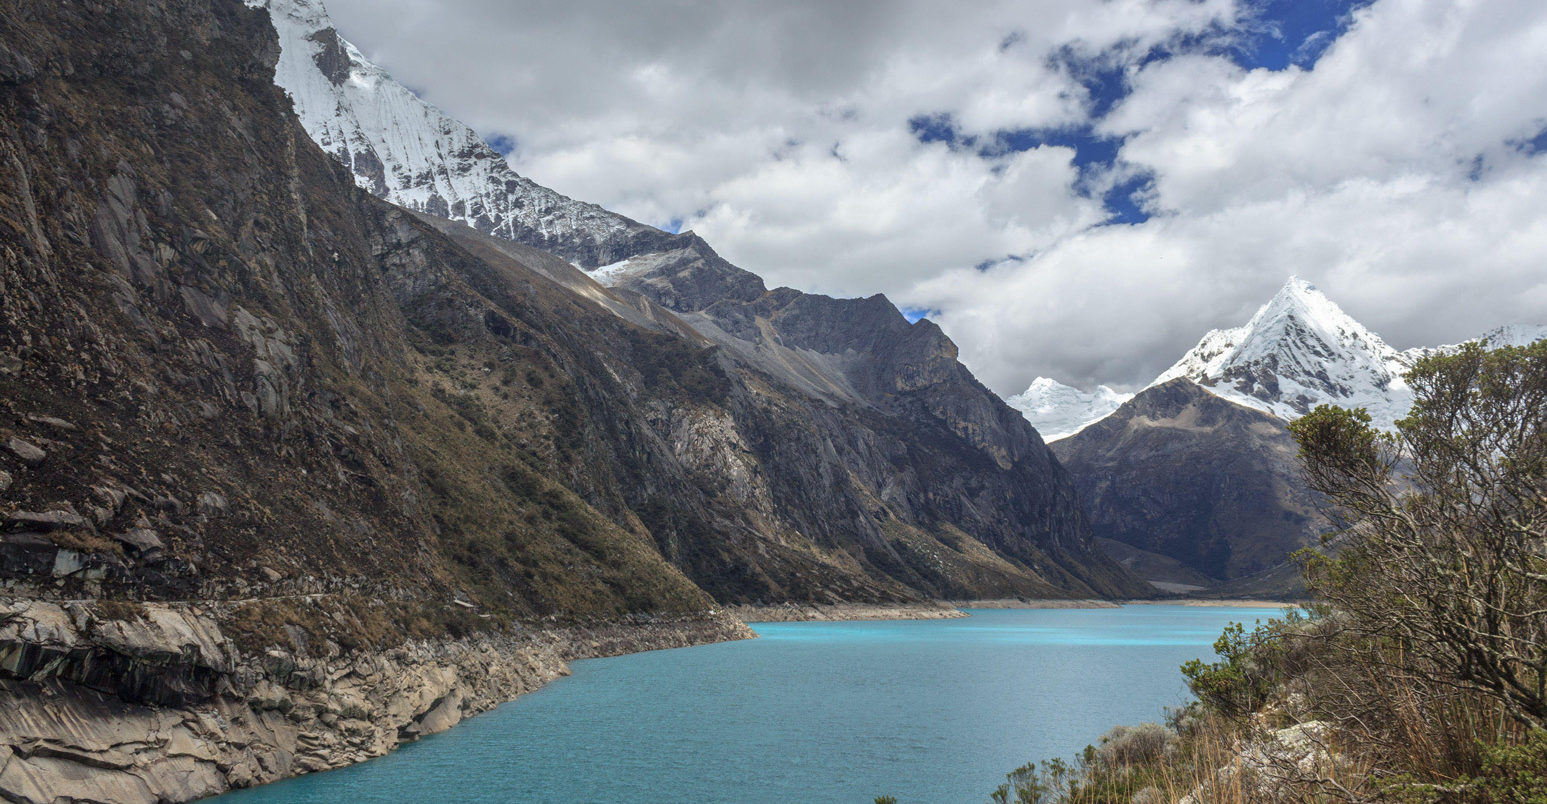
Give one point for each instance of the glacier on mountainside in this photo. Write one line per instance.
(405, 150)
(1300, 350)
(1059, 411)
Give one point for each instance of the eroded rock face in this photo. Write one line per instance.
(269, 369)
(161, 707)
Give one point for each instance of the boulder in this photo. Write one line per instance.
(141, 541)
(27, 451)
(46, 520)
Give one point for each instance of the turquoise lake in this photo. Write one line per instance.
(927, 711)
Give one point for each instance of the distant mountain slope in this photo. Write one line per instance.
(1298, 351)
(1185, 474)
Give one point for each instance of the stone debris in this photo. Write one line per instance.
(51, 421)
(46, 520)
(27, 451)
(1274, 766)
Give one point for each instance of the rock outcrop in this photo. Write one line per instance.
(151, 703)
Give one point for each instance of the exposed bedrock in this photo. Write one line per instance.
(151, 703)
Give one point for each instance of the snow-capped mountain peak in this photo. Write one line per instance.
(406, 150)
(1514, 335)
(1059, 411)
(1300, 350)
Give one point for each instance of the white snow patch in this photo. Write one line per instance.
(1059, 411)
(614, 273)
(411, 153)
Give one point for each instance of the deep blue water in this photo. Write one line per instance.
(927, 711)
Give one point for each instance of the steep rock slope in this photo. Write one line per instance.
(860, 461)
(405, 150)
(868, 398)
(361, 454)
(1181, 473)
(237, 372)
(228, 372)
(229, 378)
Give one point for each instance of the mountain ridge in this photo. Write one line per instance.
(859, 358)
(405, 150)
(1299, 350)
(1188, 475)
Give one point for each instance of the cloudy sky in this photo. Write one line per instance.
(1071, 188)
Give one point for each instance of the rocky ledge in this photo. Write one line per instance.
(151, 703)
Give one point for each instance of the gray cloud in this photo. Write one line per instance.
(1390, 174)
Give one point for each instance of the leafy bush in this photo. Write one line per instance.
(1251, 667)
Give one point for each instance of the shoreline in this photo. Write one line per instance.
(955, 609)
(1054, 603)
(1035, 603)
(844, 612)
(1209, 602)
(164, 707)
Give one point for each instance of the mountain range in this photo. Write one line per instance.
(852, 366)
(315, 437)
(1193, 482)
(1298, 351)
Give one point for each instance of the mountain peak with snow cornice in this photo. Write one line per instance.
(1298, 351)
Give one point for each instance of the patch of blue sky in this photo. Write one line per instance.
(1533, 145)
(1281, 33)
(913, 314)
(1274, 35)
(504, 143)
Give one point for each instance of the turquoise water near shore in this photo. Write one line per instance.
(927, 711)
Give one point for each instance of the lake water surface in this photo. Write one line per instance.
(928, 711)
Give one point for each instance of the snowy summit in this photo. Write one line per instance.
(411, 153)
(1059, 411)
(1300, 350)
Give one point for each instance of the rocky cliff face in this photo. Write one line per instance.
(819, 388)
(848, 457)
(375, 446)
(1193, 489)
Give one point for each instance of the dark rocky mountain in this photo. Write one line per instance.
(289, 474)
(1191, 490)
(265, 376)
(846, 366)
